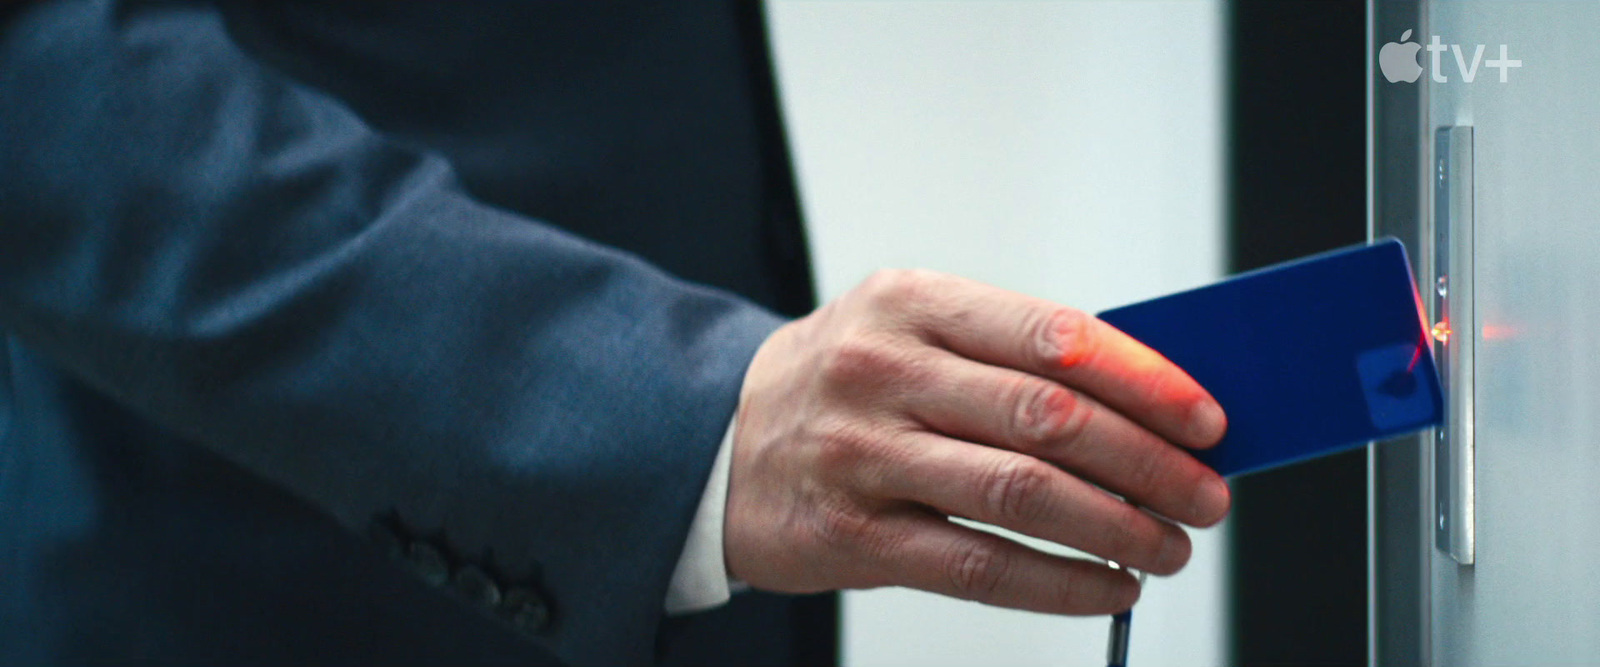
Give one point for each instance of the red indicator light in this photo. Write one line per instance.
(1441, 332)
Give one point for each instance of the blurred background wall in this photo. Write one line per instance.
(1069, 149)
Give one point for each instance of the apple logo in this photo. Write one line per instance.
(1398, 60)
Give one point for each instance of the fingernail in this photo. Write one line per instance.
(1207, 423)
(1211, 501)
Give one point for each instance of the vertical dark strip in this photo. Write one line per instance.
(787, 251)
(1298, 186)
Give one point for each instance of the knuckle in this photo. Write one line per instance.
(1046, 415)
(1075, 417)
(976, 570)
(841, 526)
(843, 444)
(857, 359)
(846, 528)
(1033, 405)
(881, 280)
(1061, 338)
(875, 361)
(881, 543)
(899, 289)
(890, 286)
(1016, 490)
(861, 456)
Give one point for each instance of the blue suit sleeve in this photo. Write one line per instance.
(240, 259)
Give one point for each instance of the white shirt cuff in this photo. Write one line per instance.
(701, 581)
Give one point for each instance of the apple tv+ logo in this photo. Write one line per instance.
(1398, 61)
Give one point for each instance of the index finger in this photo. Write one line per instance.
(1032, 335)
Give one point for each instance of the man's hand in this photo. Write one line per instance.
(918, 396)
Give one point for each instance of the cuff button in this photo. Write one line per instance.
(526, 609)
(429, 563)
(475, 585)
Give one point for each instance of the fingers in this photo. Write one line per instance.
(1038, 417)
(1024, 494)
(935, 555)
(1035, 336)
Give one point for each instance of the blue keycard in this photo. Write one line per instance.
(1307, 358)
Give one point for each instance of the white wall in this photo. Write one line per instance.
(1069, 149)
